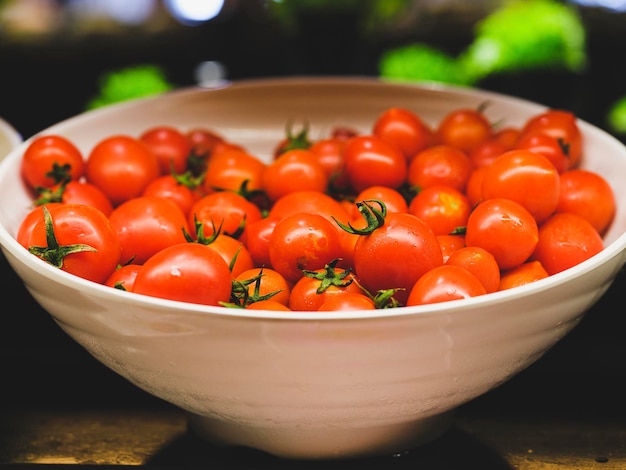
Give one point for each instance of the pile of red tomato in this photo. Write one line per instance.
(409, 213)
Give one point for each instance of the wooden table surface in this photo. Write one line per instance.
(61, 408)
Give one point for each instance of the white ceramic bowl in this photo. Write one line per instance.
(9, 138)
(322, 385)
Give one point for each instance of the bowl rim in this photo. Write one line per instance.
(12, 136)
(9, 244)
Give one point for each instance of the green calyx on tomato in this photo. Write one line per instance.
(375, 217)
(54, 253)
(330, 277)
(240, 294)
(294, 141)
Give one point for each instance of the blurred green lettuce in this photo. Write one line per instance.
(129, 83)
(520, 35)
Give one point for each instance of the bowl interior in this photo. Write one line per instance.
(256, 113)
(9, 138)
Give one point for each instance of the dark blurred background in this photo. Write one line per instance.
(54, 56)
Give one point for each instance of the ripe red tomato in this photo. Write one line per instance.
(203, 141)
(403, 129)
(260, 283)
(346, 302)
(51, 159)
(146, 225)
(257, 239)
(309, 201)
(480, 263)
(486, 152)
(566, 240)
(449, 244)
(464, 129)
(228, 170)
(123, 277)
(303, 241)
(226, 211)
(171, 147)
(370, 161)
(180, 189)
(525, 273)
(76, 192)
(232, 251)
(547, 146)
(444, 283)
(294, 170)
(505, 229)
(186, 272)
(329, 153)
(122, 167)
(589, 195)
(525, 177)
(315, 288)
(269, 304)
(77, 239)
(395, 254)
(440, 165)
(561, 125)
(29, 221)
(393, 199)
(444, 208)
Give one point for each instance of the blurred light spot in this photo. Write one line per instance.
(210, 74)
(122, 11)
(613, 5)
(194, 11)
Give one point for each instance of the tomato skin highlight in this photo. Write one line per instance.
(186, 272)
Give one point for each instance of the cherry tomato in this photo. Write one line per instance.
(525, 273)
(232, 251)
(525, 177)
(294, 170)
(449, 244)
(443, 208)
(480, 263)
(76, 192)
(566, 240)
(257, 239)
(123, 277)
(486, 152)
(508, 136)
(226, 211)
(393, 199)
(187, 272)
(229, 169)
(180, 189)
(403, 129)
(547, 146)
(122, 167)
(312, 290)
(440, 165)
(146, 225)
(561, 125)
(346, 302)
(303, 241)
(329, 153)
(589, 195)
(474, 187)
(445, 283)
(505, 229)
(171, 147)
(77, 239)
(51, 159)
(203, 141)
(370, 161)
(464, 129)
(262, 283)
(29, 221)
(395, 254)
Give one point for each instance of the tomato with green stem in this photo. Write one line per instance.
(51, 159)
(76, 238)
